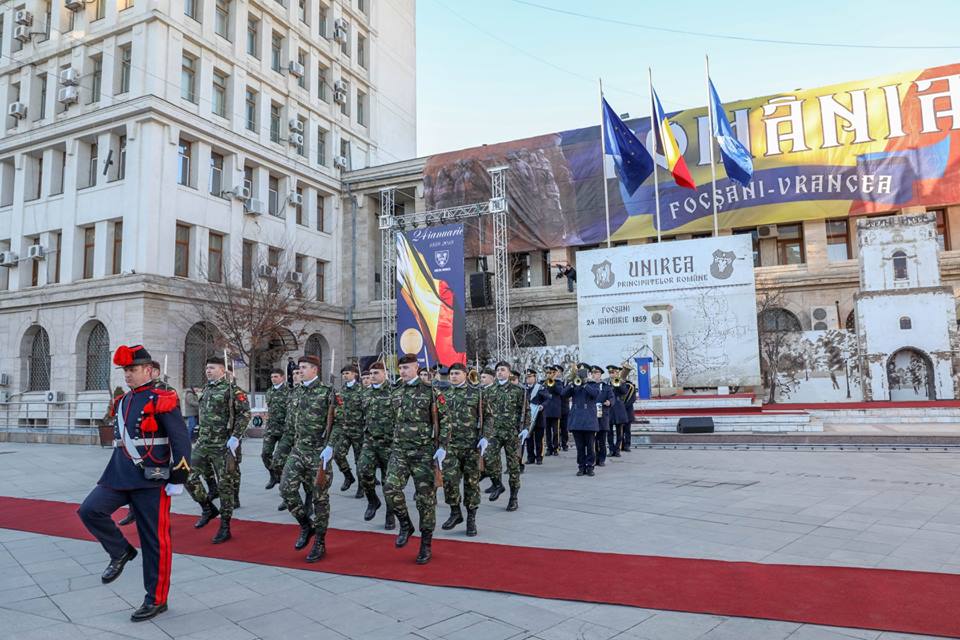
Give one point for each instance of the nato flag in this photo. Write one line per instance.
(736, 159)
(631, 158)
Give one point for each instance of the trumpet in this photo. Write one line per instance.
(473, 377)
(549, 382)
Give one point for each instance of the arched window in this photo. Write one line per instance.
(777, 320)
(270, 356)
(851, 324)
(905, 323)
(198, 346)
(314, 346)
(529, 335)
(97, 371)
(38, 368)
(899, 265)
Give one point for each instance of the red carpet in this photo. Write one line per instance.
(904, 601)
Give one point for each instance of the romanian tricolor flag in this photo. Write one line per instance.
(666, 145)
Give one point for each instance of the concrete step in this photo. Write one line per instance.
(766, 423)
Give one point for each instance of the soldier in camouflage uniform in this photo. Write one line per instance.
(461, 432)
(414, 450)
(282, 451)
(277, 398)
(311, 418)
(224, 414)
(348, 425)
(379, 417)
(505, 414)
(366, 378)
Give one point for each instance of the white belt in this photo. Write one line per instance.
(143, 442)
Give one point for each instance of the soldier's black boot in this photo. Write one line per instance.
(210, 512)
(214, 489)
(373, 503)
(348, 480)
(282, 506)
(471, 522)
(223, 534)
(319, 548)
(406, 530)
(590, 471)
(127, 519)
(391, 522)
(492, 486)
(274, 480)
(581, 471)
(359, 493)
(306, 532)
(498, 490)
(512, 504)
(426, 538)
(456, 517)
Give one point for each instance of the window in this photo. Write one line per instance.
(122, 163)
(248, 178)
(34, 265)
(117, 261)
(219, 93)
(96, 78)
(905, 323)
(89, 245)
(301, 210)
(790, 244)
(99, 9)
(838, 240)
(273, 260)
(362, 51)
(185, 151)
(362, 6)
(755, 241)
(274, 122)
(273, 196)
(276, 51)
(126, 4)
(322, 82)
(321, 147)
(299, 266)
(302, 59)
(126, 58)
(221, 23)
(216, 174)
(38, 368)
(321, 281)
(215, 258)
(251, 101)
(321, 213)
(36, 186)
(246, 277)
(57, 248)
(42, 79)
(188, 78)
(519, 270)
(45, 35)
(545, 268)
(181, 254)
(92, 166)
(97, 373)
(191, 8)
(302, 11)
(197, 347)
(779, 320)
(253, 37)
(322, 23)
(899, 265)
(345, 43)
(345, 151)
(361, 108)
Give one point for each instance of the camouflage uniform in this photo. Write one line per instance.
(210, 451)
(379, 417)
(308, 420)
(504, 414)
(348, 427)
(412, 454)
(459, 410)
(277, 398)
(282, 451)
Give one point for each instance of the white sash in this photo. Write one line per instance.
(128, 443)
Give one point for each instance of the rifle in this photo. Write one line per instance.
(437, 471)
(321, 479)
(230, 464)
(482, 463)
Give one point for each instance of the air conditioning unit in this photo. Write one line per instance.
(266, 271)
(69, 77)
(340, 162)
(74, 5)
(340, 23)
(239, 192)
(5, 397)
(295, 277)
(296, 69)
(17, 110)
(8, 259)
(254, 207)
(22, 33)
(295, 199)
(824, 318)
(295, 125)
(24, 17)
(4, 379)
(36, 252)
(296, 139)
(68, 95)
(767, 231)
(340, 97)
(55, 397)
(340, 86)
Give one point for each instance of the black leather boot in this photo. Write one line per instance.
(373, 503)
(456, 517)
(512, 505)
(471, 522)
(115, 568)
(391, 522)
(498, 490)
(319, 548)
(406, 530)
(348, 480)
(426, 538)
(306, 532)
(274, 480)
(590, 471)
(210, 512)
(223, 533)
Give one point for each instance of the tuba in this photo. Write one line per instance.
(615, 381)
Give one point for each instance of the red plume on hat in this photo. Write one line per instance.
(126, 356)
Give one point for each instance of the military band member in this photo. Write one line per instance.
(277, 398)
(150, 463)
(348, 425)
(537, 395)
(603, 405)
(460, 411)
(311, 418)
(552, 408)
(629, 402)
(224, 414)
(562, 426)
(414, 453)
(505, 414)
(379, 417)
(583, 419)
(618, 412)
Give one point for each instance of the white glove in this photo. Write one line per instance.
(232, 444)
(173, 489)
(523, 435)
(326, 455)
(482, 445)
(439, 456)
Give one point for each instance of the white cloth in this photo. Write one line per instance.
(523, 435)
(326, 455)
(307, 383)
(482, 445)
(232, 444)
(439, 456)
(351, 383)
(173, 489)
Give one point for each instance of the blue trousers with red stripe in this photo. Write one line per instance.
(152, 510)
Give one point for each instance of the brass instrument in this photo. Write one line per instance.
(550, 382)
(615, 381)
(473, 377)
(578, 381)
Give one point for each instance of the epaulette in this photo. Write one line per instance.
(166, 401)
(240, 395)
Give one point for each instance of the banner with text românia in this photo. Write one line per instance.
(431, 309)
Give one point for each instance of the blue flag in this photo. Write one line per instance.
(736, 159)
(631, 158)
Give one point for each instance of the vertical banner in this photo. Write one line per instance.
(431, 310)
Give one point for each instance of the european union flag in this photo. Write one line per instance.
(632, 160)
(736, 159)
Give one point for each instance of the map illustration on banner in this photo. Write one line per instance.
(854, 148)
(431, 309)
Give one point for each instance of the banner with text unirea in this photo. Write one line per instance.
(855, 148)
(431, 309)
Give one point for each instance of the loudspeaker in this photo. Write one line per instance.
(700, 424)
(480, 291)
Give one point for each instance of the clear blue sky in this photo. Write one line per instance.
(479, 79)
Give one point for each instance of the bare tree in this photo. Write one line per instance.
(775, 340)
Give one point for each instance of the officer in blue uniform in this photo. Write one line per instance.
(536, 396)
(150, 463)
(552, 408)
(604, 404)
(629, 405)
(582, 419)
(563, 427)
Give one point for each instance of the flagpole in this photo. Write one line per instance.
(603, 161)
(653, 130)
(713, 165)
